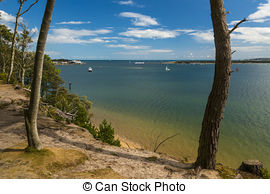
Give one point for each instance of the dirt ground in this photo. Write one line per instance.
(108, 161)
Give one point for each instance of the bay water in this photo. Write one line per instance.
(146, 104)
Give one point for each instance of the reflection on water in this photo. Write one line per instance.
(144, 101)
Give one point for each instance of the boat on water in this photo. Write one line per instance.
(139, 63)
(90, 69)
(167, 68)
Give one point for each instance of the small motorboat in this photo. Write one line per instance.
(90, 69)
(167, 68)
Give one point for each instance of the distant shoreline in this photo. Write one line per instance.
(213, 62)
(67, 62)
(61, 62)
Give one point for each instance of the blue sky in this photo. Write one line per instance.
(144, 29)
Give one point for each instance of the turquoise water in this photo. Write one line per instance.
(144, 102)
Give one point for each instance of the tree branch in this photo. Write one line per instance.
(156, 148)
(28, 8)
(156, 142)
(236, 26)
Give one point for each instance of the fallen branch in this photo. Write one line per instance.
(62, 114)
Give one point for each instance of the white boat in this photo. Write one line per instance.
(90, 69)
(167, 68)
(139, 63)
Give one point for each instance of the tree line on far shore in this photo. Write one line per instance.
(42, 75)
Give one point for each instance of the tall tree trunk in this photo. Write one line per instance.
(14, 43)
(31, 114)
(23, 63)
(214, 112)
(22, 75)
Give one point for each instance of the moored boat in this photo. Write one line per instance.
(167, 68)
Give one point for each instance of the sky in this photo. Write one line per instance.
(144, 29)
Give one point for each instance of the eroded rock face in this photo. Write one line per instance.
(252, 166)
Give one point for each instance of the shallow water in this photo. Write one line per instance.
(144, 102)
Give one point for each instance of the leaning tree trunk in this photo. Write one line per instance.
(32, 112)
(13, 44)
(214, 112)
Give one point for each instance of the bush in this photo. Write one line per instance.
(71, 103)
(265, 173)
(3, 76)
(106, 134)
(91, 128)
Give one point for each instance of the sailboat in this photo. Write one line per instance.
(167, 68)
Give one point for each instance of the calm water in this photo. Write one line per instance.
(144, 102)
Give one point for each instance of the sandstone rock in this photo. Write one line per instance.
(208, 174)
(238, 176)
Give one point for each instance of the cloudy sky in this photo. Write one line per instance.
(144, 29)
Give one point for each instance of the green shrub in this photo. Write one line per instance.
(265, 173)
(71, 103)
(3, 76)
(106, 134)
(91, 128)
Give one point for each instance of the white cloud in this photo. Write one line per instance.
(34, 30)
(75, 22)
(5, 17)
(52, 53)
(8, 19)
(232, 23)
(115, 39)
(64, 35)
(254, 35)
(127, 46)
(250, 48)
(145, 53)
(262, 14)
(203, 35)
(185, 31)
(150, 33)
(140, 49)
(160, 51)
(139, 19)
(129, 2)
